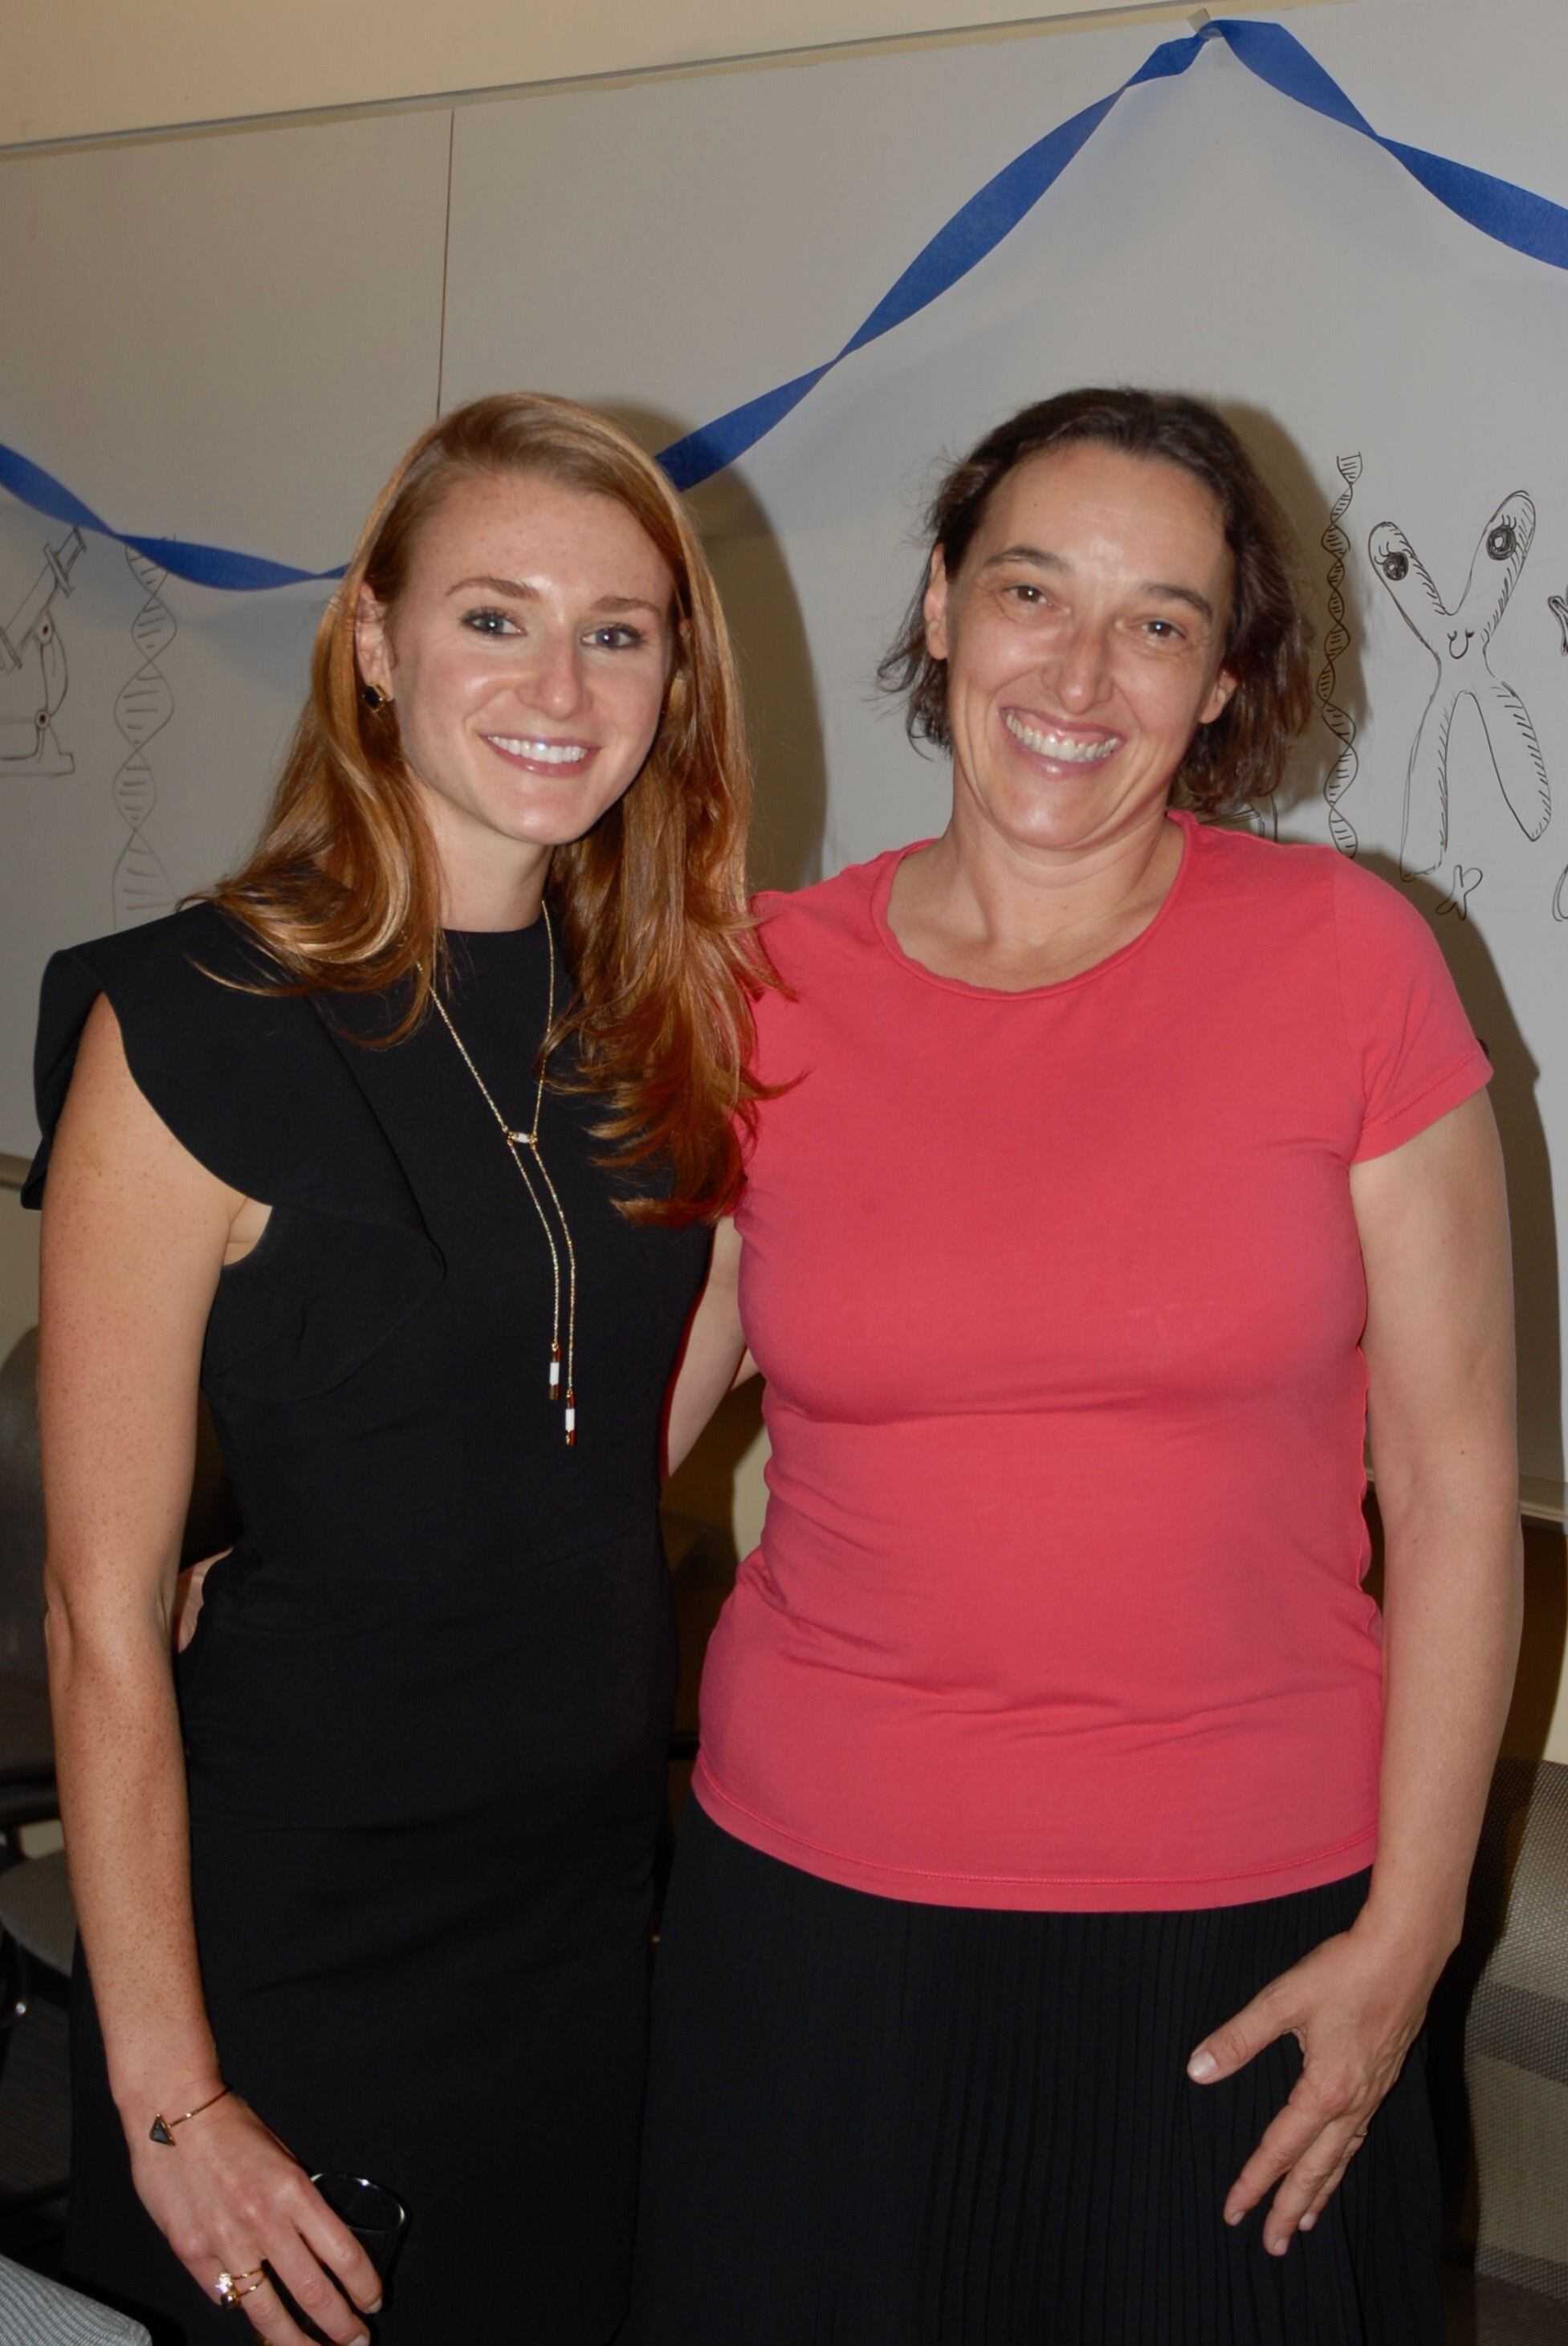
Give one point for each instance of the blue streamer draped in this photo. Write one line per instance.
(1514, 216)
(182, 557)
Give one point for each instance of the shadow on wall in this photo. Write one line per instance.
(719, 1486)
(1340, 685)
(1530, 1198)
(764, 615)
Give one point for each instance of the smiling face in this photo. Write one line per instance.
(1083, 636)
(527, 657)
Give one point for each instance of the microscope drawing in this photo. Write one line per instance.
(1459, 641)
(32, 677)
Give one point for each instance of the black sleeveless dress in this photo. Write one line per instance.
(426, 1707)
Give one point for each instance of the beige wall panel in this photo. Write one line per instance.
(73, 72)
(229, 337)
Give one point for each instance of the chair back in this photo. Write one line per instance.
(21, 1513)
(211, 1521)
(1509, 1993)
(38, 2312)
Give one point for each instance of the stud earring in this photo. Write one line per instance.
(374, 698)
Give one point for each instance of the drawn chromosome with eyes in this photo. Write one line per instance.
(1458, 640)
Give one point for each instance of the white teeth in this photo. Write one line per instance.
(1048, 744)
(546, 753)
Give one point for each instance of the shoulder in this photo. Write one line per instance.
(822, 944)
(1372, 916)
(823, 924)
(1293, 888)
(1372, 925)
(204, 1031)
(1269, 873)
(184, 989)
(195, 953)
(1278, 870)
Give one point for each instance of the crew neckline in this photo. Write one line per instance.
(483, 937)
(882, 894)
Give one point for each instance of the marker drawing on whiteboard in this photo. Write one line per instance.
(33, 675)
(1459, 639)
(1558, 607)
(142, 888)
(1336, 643)
(1467, 879)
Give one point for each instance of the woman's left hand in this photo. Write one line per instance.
(1354, 2005)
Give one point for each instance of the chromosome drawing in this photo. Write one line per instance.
(1336, 643)
(1459, 639)
(33, 674)
(142, 888)
(1467, 879)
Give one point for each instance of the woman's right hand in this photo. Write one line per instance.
(188, 1597)
(230, 2196)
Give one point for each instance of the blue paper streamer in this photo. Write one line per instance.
(1514, 215)
(182, 557)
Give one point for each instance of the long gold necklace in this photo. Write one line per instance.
(516, 1142)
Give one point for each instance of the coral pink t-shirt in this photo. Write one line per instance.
(1059, 1299)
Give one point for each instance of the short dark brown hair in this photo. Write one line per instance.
(1241, 755)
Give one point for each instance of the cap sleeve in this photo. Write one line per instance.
(1414, 1052)
(250, 1081)
(192, 1030)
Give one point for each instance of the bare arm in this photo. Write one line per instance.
(1439, 1343)
(136, 1234)
(1440, 1352)
(715, 1359)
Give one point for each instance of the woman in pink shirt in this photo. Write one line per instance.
(1074, 1847)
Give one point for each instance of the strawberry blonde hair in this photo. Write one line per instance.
(344, 887)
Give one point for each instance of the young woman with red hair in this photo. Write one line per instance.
(401, 1145)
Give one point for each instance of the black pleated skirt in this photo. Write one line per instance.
(873, 2123)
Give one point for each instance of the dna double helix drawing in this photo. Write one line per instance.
(1336, 644)
(143, 706)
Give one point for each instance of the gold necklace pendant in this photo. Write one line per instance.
(516, 1141)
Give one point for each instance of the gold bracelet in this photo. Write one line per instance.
(162, 2128)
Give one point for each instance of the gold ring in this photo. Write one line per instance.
(230, 2291)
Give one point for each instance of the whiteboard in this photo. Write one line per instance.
(672, 247)
(226, 338)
